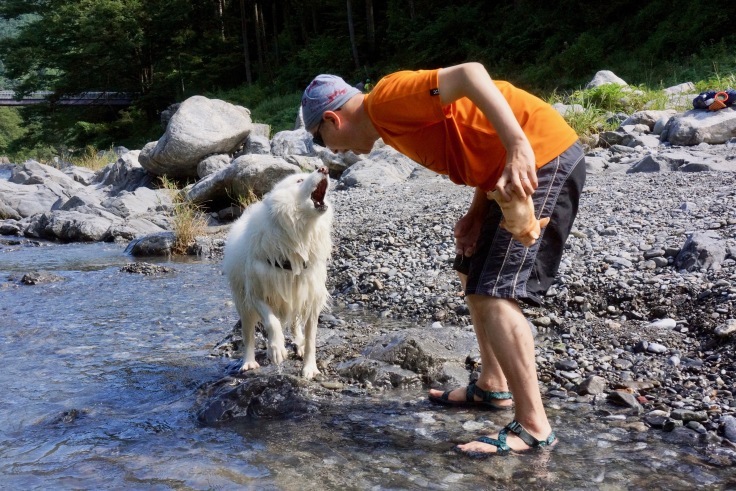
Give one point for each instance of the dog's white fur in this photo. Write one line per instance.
(287, 228)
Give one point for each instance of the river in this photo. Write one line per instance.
(101, 371)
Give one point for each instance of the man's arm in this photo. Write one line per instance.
(471, 80)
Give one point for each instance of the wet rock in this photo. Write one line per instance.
(265, 394)
(697, 427)
(679, 435)
(69, 416)
(671, 424)
(688, 415)
(429, 352)
(378, 374)
(625, 399)
(656, 418)
(728, 424)
(159, 244)
(146, 269)
(40, 277)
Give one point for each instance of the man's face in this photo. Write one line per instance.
(339, 135)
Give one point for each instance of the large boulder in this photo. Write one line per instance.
(200, 127)
(32, 172)
(700, 125)
(69, 226)
(19, 201)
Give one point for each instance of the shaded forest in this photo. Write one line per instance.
(256, 51)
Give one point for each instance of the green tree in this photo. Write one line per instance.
(10, 128)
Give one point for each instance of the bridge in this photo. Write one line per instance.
(8, 98)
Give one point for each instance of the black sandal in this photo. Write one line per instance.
(500, 443)
(487, 398)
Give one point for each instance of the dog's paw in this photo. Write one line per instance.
(277, 353)
(249, 365)
(310, 371)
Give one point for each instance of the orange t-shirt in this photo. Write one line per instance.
(457, 139)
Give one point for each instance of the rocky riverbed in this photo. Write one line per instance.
(623, 330)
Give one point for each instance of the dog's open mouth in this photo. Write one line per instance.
(318, 195)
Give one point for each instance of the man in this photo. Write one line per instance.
(489, 135)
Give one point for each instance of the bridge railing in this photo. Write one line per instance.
(8, 98)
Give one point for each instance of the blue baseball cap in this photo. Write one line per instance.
(325, 93)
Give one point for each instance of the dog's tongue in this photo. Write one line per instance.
(318, 195)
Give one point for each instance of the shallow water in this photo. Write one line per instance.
(100, 376)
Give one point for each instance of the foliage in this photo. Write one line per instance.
(93, 159)
(166, 50)
(187, 220)
(10, 128)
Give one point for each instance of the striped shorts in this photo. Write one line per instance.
(504, 268)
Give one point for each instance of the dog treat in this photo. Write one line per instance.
(519, 218)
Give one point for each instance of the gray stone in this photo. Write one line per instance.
(200, 127)
(212, 164)
(698, 125)
(625, 399)
(593, 385)
(604, 77)
(702, 251)
(159, 244)
(247, 174)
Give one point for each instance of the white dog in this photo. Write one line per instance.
(276, 261)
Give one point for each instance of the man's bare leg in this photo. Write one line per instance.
(511, 341)
(491, 376)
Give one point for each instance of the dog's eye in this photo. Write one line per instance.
(300, 180)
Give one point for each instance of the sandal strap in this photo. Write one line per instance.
(486, 395)
(500, 444)
(516, 428)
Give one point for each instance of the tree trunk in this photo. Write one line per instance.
(221, 17)
(351, 30)
(370, 26)
(259, 45)
(275, 30)
(246, 54)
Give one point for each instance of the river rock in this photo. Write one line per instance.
(158, 244)
(254, 395)
(200, 127)
(700, 125)
(439, 357)
(604, 77)
(383, 166)
(728, 424)
(702, 250)
(125, 174)
(245, 175)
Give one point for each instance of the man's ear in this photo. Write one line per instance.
(333, 116)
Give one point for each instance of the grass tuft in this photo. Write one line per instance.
(93, 159)
(187, 219)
